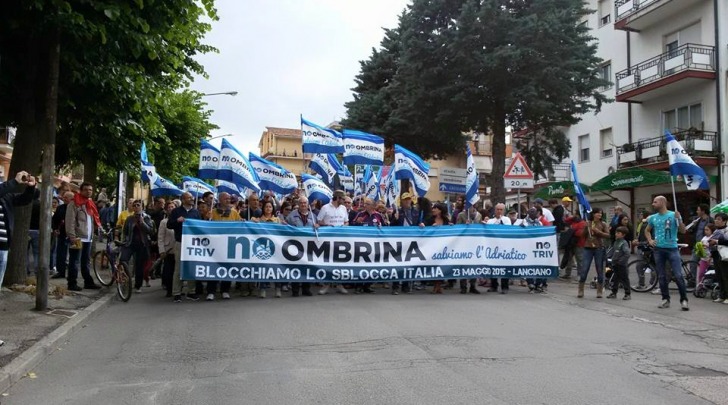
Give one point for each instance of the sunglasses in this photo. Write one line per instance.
(137, 205)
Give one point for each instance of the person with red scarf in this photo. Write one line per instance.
(81, 217)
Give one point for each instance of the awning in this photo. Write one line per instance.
(558, 189)
(630, 178)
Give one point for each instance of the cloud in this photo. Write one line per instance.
(286, 58)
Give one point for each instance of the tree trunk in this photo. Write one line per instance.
(497, 189)
(90, 167)
(26, 156)
(53, 50)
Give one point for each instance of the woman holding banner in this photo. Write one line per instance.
(439, 217)
(268, 216)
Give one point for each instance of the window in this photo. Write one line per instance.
(605, 73)
(584, 148)
(606, 141)
(682, 118)
(605, 10)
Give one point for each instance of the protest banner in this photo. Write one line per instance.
(243, 251)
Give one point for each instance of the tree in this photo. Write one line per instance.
(117, 62)
(482, 65)
(542, 149)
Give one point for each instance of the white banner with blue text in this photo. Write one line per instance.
(244, 251)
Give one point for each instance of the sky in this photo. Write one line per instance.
(286, 58)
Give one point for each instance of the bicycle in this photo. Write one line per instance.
(108, 269)
(645, 265)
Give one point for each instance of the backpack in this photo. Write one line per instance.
(567, 239)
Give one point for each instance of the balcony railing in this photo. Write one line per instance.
(652, 150)
(561, 172)
(482, 148)
(625, 8)
(685, 57)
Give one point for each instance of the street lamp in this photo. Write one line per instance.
(219, 136)
(228, 93)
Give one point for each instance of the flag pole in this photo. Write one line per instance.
(674, 197)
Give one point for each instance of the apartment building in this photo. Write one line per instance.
(666, 59)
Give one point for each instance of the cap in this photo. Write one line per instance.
(567, 199)
(538, 201)
(405, 196)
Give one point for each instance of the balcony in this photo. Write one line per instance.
(561, 172)
(673, 71)
(482, 148)
(637, 15)
(651, 153)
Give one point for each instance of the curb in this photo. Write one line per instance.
(36, 354)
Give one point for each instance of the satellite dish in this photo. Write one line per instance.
(611, 170)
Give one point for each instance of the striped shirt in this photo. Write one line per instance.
(3, 230)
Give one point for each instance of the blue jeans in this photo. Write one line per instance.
(598, 256)
(83, 256)
(3, 264)
(663, 255)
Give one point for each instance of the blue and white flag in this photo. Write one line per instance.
(272, 176)
(315, 189)
(682, 165)
(317, 139)
(585, 206)
(196, 187)
(163, 187)
(236, 168)
(209, 160)
(149, 172)
(410, 166)
(231, 188)
(391, 190)
(362, 148)
(321, 164)
(472, 183)
(371, 184)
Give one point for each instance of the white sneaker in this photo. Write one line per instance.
(225, 296)
(665, 304)
(324, 290)
(138, 290)
(278, 293)
(656, 291)
(210, 297)
(718, 300)
(341, 290)
(684, 305)
(261, 294)
(726, 301)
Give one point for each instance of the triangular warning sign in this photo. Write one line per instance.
(518, 169)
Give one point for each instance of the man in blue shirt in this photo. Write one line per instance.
(661, 234)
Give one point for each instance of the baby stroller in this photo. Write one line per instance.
(708, 283)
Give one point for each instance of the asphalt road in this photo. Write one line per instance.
(384, 349)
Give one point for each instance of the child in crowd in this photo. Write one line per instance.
(620, 255)
(702, 250)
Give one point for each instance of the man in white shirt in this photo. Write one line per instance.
(499, 219)
(538, 203)
(334, 214)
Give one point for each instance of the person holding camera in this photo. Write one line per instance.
(136, 240)
(8, 201)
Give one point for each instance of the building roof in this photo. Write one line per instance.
(280, 132)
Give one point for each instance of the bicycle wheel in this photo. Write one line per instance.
(102, 274)
(645, 281)
(123, 282)
(687, 275)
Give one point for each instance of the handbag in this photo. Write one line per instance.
(723, 251)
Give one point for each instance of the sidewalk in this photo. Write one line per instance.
(29, 335)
